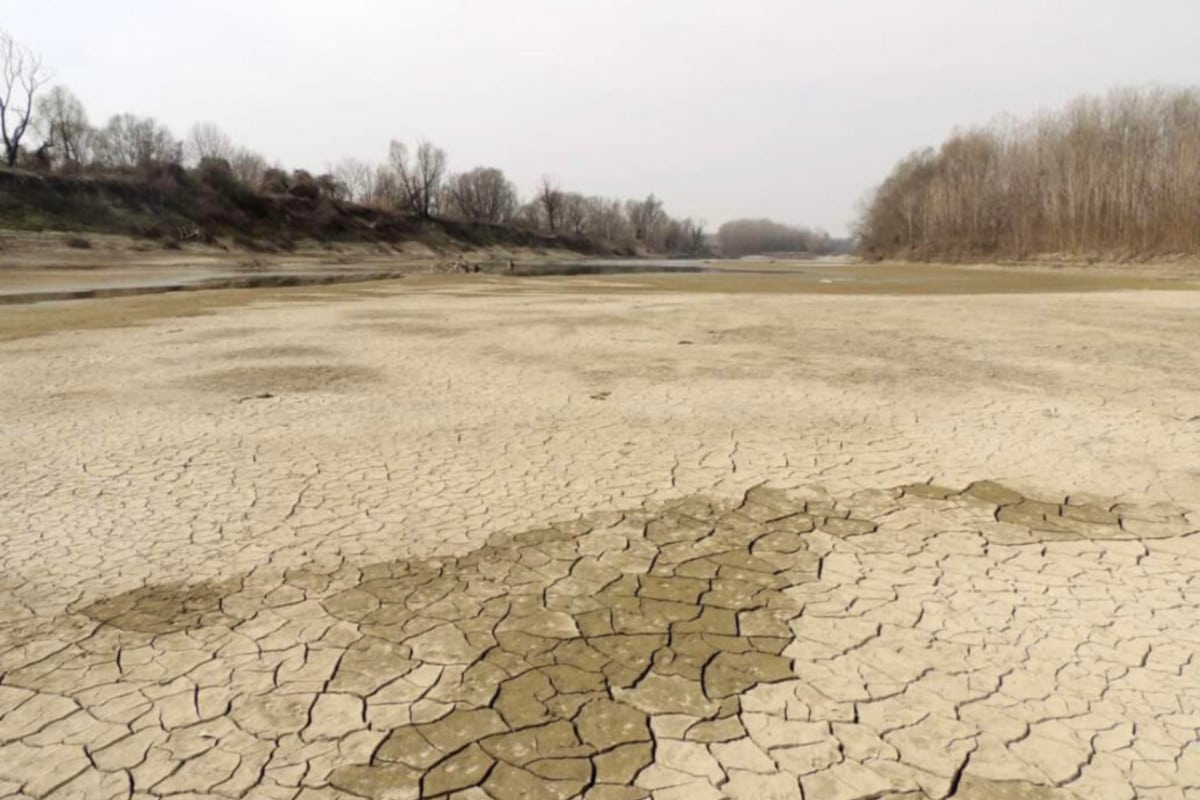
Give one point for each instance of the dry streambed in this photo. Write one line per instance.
(920, 640)
(481, 540)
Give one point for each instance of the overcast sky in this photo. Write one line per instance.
(776, 108)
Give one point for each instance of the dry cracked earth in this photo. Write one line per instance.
(510, 539)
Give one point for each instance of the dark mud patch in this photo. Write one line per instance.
(393, 315)
(443, 330)
(558, 269)
(867, 279)
(981, 789)
(219, 334)
(276, 380)
(237, 281)
(561, 645)
(550, 655)
(165, 608)
(557, 649)
(268, 352)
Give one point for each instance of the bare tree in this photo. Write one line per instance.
(22, 74)
(206, 140)
(248, 167)
(627, 225)
(550, 197)
(647, 218)
(1117, 175)
(482, 195)
(420, 178)
(606, 222)
(358, 177)
(62, 121)
(575, 213)
(694, 238)
(386, 191)
(529, 216)
(130, 141)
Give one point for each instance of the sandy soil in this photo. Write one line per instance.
(680, 537)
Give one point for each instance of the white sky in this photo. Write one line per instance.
(790, 110)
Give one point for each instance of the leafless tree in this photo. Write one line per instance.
(694, 241)
(647, 218)
(22, 74)
(575, 214)
(550, 197)
(386, 190)
(482, 195)
(358, 177)
(1106, 176)
(420, 177)
(606, 222)
(62, 121)
(529, 216)
(248, 167)
(206, 140)
(634, 224)
(131, 141)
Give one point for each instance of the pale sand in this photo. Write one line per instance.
(207, 590)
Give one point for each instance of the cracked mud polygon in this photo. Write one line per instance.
(838, 547)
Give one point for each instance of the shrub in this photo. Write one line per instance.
(304, 186)
(275, 181)
(216, 172)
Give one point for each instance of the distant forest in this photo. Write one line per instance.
(1107, 177)
(746, 237)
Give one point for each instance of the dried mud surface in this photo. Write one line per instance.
(482, 539)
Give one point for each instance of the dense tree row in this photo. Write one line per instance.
(1112, 176)
(743, 237)
(415, 181)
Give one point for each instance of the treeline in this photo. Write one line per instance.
(744, 237)
(415, 181)
(1115, 176)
